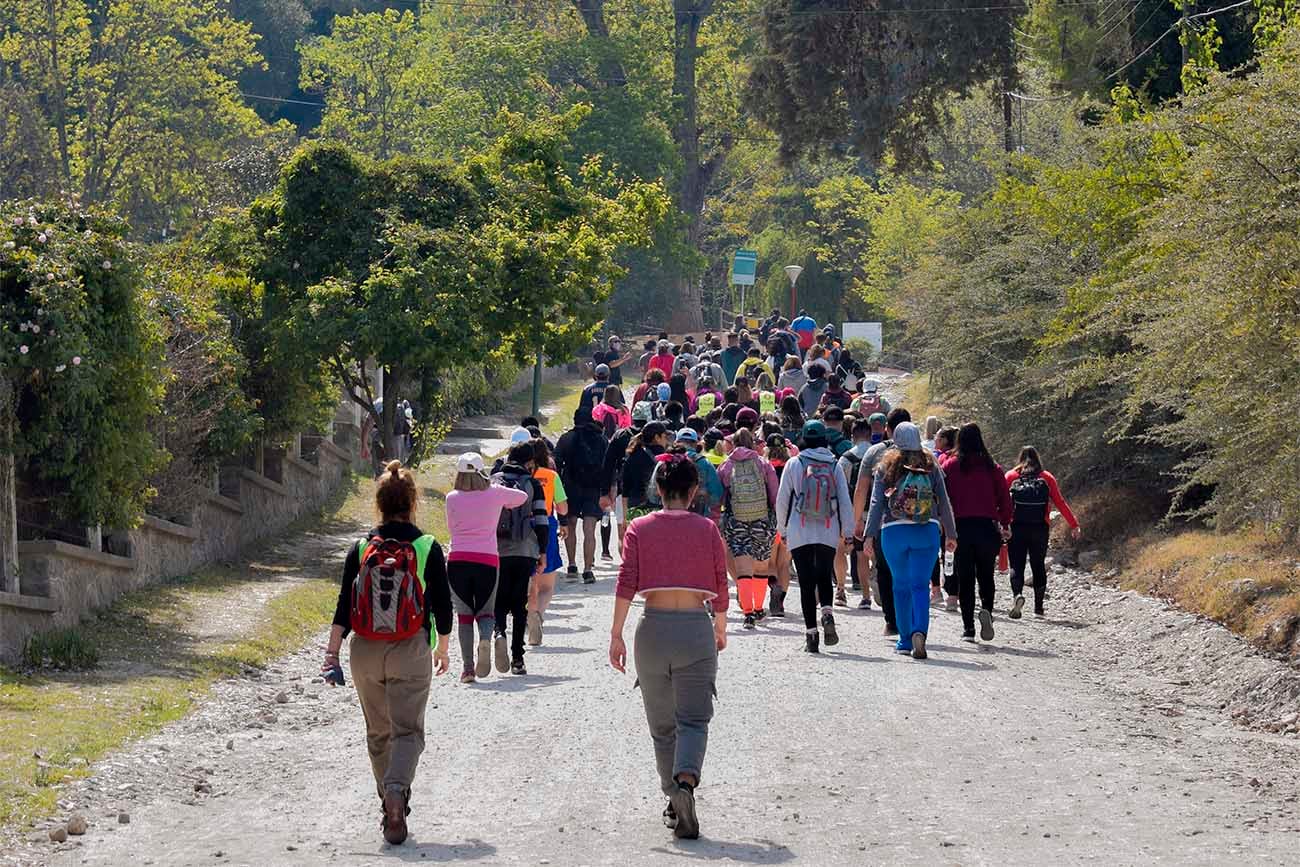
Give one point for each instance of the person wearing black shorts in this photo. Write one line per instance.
(579, 458)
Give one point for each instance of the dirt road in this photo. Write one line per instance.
(1053, 744)
(1103, 734)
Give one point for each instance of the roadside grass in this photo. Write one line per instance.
(920, 401)
(558, 400)
(1248, 581)
(153, 666)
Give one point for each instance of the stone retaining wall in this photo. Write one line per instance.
(60, 583)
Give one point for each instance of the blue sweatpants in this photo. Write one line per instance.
(911, 551)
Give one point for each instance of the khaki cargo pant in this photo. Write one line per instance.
(392, 680)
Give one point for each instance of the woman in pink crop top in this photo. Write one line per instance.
(473, 511)
(675, 559)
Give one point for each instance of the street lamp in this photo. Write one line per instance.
(793, 272)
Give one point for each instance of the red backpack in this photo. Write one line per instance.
(388, 592)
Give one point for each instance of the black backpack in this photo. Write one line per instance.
(515, 524)
(855, 461)
(1030, 496)
(587, 455)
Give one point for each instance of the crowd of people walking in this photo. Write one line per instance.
(760, 457)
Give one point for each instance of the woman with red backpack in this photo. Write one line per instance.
(394, 588)
(981, 502)
(749, 487)
(1033, 493)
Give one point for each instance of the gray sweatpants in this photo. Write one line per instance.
(677, 667)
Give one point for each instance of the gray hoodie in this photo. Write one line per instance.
(794, 529)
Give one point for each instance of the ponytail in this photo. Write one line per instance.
(396, 495)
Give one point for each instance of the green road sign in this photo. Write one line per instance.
(744, 268)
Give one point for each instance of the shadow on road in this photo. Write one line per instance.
(704, 849)
(523, 683)
(412, 850)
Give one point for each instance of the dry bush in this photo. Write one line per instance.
(1242, 580)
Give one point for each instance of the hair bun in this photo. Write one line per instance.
(394, 467)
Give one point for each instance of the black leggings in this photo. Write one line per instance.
(885, 579)
(976, 560)
(512, 598)
(816, 565)
(1029, 541)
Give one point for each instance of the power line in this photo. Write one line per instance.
(1176, 25)
(805, 13)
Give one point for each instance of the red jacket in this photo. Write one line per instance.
(978, 492)
(1054, 492)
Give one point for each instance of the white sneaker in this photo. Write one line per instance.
(483, 667)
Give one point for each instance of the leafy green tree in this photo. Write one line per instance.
(872, 77)
(421, 267)
(80, 363)
(135, 99)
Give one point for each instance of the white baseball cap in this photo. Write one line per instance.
(470, 462)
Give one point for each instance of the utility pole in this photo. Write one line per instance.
(537, 384)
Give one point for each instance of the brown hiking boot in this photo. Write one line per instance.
(395, 817)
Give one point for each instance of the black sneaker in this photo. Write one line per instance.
(986, 625)
(828, 626)
(682, 802)
(588, 577)
(968, 636)
(571, 574)
(760, 615)
(749, 621)
(605, 555)
(865, 603)
(1016, 607)
(1039, 612)
(517, 667)
(812, 642)
(891, 630)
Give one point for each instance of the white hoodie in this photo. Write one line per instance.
(794, 529)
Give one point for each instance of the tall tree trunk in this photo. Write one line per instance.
(8, 492)
(60, 107)
(697, 172)
(688, 17)
(593, 16)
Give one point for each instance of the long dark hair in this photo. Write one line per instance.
(897, 462)
(791, 412)
(677, 389)
(971, 452)
(1029, 463)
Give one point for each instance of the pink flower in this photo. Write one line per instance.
(22, 326)
(23, 349)
(76, 360)
(41, 237)
(36, 329)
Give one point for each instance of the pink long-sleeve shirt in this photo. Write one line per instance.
(673, 550)
(472, 518)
